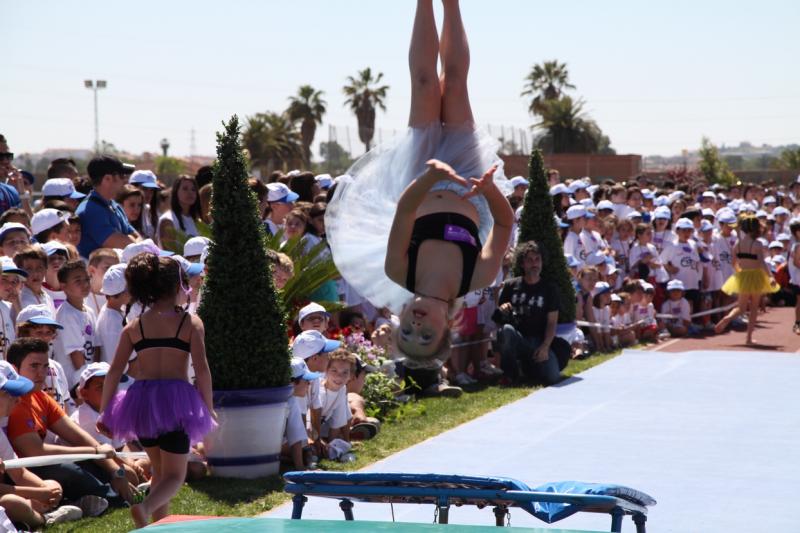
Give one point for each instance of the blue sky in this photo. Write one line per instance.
(655, 76)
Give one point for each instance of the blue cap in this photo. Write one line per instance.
(13, 383)
(195, 269)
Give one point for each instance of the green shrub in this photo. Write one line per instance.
(243, 315)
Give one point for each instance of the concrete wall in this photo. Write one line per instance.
(599, 167)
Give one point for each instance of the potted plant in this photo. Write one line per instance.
(244, 321)
(537, 223)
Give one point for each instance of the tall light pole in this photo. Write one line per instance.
(95, 86)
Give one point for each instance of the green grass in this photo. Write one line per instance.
(417, 422)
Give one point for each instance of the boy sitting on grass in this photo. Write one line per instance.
(333, 395)
(296, 436)
(677, 306)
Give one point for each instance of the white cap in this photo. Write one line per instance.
(684, 223)
(311, 308)
(662, 212)
(726, 216)
(587, 203)
(577, 185)
(675, 284)
(136, 248)
(707, 212)
(633, 214)
(39, 314)
(576, 211)
(646, 286)
(61, 187)
(13, 226)
(312, 342)
(780, 210)
(559, 188)
(661, 201)
(761, 214)
(114, 280)
(93, 370)
(46, 219)
(605, 204)
(300, 370)
(594, 259)
(709, 194)
(279, 192)
(616, 298)
(647, 194)
(776, 244)
(145, 178)
(195, 246)
(325, 181)
(191, 269)
(769, 200)
(783, 237)
(601, 287)
(705, 225)
(516, 181)
(52, 247)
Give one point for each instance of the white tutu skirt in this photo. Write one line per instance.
(360, 215)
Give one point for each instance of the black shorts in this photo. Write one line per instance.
(693, 297)
(173, 442)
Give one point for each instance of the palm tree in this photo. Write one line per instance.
(308, 107)
(569, 130)
(272, 141)
(546, 82)
(363, 96)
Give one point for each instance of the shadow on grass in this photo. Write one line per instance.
(237, 491)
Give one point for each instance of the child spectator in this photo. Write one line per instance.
(362, 427)
(622, 330)
(77, 345)
(313, 317)
(587, 279)
(602, 315)
(111, 319)
(193, 248)
(335, 414)
(573, 245)
(282, 269)
(33, 260)
(662, 234)
(621, 245)
(646, 314)
(11, 280)
(682, 261)
(794, 272)
(27, 498)
(50, 225)
(296, 436)
(712, 271)
(38, 321)
(14, 237)
(313, 348)
(57, 255)
(677, 307)
(99, 261)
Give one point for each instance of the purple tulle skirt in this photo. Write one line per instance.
(152, 407)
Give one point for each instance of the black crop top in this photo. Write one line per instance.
(743, 255)
(450, 227)
(163, 342)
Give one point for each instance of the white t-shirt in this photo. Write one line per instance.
(190, 228)
(662, 239)
(335, 409)
(679, 308)
(295, 429)
(592, 242)
(86, 418)
(57, 297)
(622, 210)
(95, 302)
(573, 245)
(28, 297)
(602, 315)
(794, 272)
(712, 269)
(57, 380)
(7, 328)
(79, 334)
(622, 251)
(109, 330)
(685, 257)
(645, 313)
(722, 248)
(6, 450)
(621, 320)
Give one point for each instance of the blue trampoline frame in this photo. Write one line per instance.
(443, 495)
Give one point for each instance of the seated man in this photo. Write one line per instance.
(27, 499)
(37, 412)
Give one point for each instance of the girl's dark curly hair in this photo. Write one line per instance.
(751, 225)
(151, 278)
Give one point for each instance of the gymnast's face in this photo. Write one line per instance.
(423, 322)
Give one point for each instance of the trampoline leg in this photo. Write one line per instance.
(443, 507)
(347, 509)
(616, 520)
(640, 519)
(298, 501)
(500, 514)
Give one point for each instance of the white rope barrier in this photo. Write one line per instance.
(48, 460)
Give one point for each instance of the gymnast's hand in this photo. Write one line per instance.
(480, 186)
(440, 171)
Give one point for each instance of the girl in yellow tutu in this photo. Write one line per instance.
(751, 279)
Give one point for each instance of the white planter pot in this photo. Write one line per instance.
(247, 443)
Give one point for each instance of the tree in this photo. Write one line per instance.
(335, 159)
(537, 223)
(307, 107)
(273, 142)
(248, 348)
(169, 168)
(363, 96)
(789, 159)
(712, 166)
(567, 129)
(546, 82)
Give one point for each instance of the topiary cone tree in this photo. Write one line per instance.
(537, 223)
(243, 315)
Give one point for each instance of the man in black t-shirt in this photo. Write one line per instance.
(528, 308)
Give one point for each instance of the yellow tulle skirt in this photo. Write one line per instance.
(750, 281)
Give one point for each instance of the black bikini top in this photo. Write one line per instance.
(743, 255)
(450, 227)
(163, 342)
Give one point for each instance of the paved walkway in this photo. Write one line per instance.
(713, 436)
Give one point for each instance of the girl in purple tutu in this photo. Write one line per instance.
(162, 410)
(421, 221)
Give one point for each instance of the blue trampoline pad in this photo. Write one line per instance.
(278, 525)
